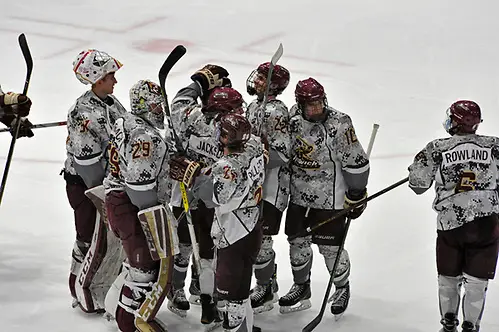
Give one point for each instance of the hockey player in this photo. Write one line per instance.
(13, 105)
(275, 128)
(195, 123)
(89, 127)
(233, 185)
(329, 172)
(465, 170)
(138, 191)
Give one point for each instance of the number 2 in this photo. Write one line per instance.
(465, 182)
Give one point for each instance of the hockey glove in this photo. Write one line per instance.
(18, 103)
(352, 197)
(25, 128)
(212, 76)
(184, 170)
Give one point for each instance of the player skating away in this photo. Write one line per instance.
(89, 128)
(329, 172)
(273, 123)
(465, 170)
(13, 105)
(137, 193)
(233, 186)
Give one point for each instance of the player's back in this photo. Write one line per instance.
(466, 177)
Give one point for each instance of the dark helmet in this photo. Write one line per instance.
(223, 100)
(463, 116)
(235, 128)
(278, 81)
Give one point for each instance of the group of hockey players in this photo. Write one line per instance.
(211, 186)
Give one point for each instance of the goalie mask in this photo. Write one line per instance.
(257, 80)
(233, 131)
(463, 117)
(223, 100)
(93, 65)
(311, 100)
(147, 102)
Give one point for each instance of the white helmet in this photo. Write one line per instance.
(92, 65)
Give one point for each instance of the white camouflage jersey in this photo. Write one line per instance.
(138, 159)
(276, 129)
(236, 182)
(196, 132)
(89, 125)
(465, 171)
(327, 159)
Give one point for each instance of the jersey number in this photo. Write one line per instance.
(114, 160)
(465, 182)
(141, 149)
(350, 135)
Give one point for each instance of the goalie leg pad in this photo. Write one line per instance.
(97, 196)
(89, 267)
(141, 297)
(160, 232)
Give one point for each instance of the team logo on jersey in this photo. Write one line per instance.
(302, 156)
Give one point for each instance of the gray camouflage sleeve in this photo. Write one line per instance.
(422, 171)
(354, 160)
(87, 151)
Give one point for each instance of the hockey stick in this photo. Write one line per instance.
(172, 59)
(277, 55)
(40, 125)
(29, 66)
(313, 324)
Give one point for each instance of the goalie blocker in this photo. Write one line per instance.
(149, 236)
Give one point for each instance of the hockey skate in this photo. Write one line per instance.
(177, 302)
(210, 316)
(450, 323)
(297, 299)
(194, 291)
(468, 327)
(340, 299)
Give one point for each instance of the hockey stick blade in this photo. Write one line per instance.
(277, 55)
(29, 69)
(175, 55)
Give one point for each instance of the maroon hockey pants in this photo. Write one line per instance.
(84, 210)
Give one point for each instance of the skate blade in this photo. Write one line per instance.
(179, 312)
(263, 308)
(300, 306)
(337, 317)
(194, 299)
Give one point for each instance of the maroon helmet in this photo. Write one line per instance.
(278, 81)
(463, 116)
(309, 90)
(224, 100)
(235, 128)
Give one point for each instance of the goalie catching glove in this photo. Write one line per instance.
(353, 197)
(184, 170)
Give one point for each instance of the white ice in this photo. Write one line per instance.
(393, 62)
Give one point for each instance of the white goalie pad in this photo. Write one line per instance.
(98, 196)
(158, 224)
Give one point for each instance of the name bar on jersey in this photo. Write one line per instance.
(466, 153)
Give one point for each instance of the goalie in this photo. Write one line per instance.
(137, 193)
